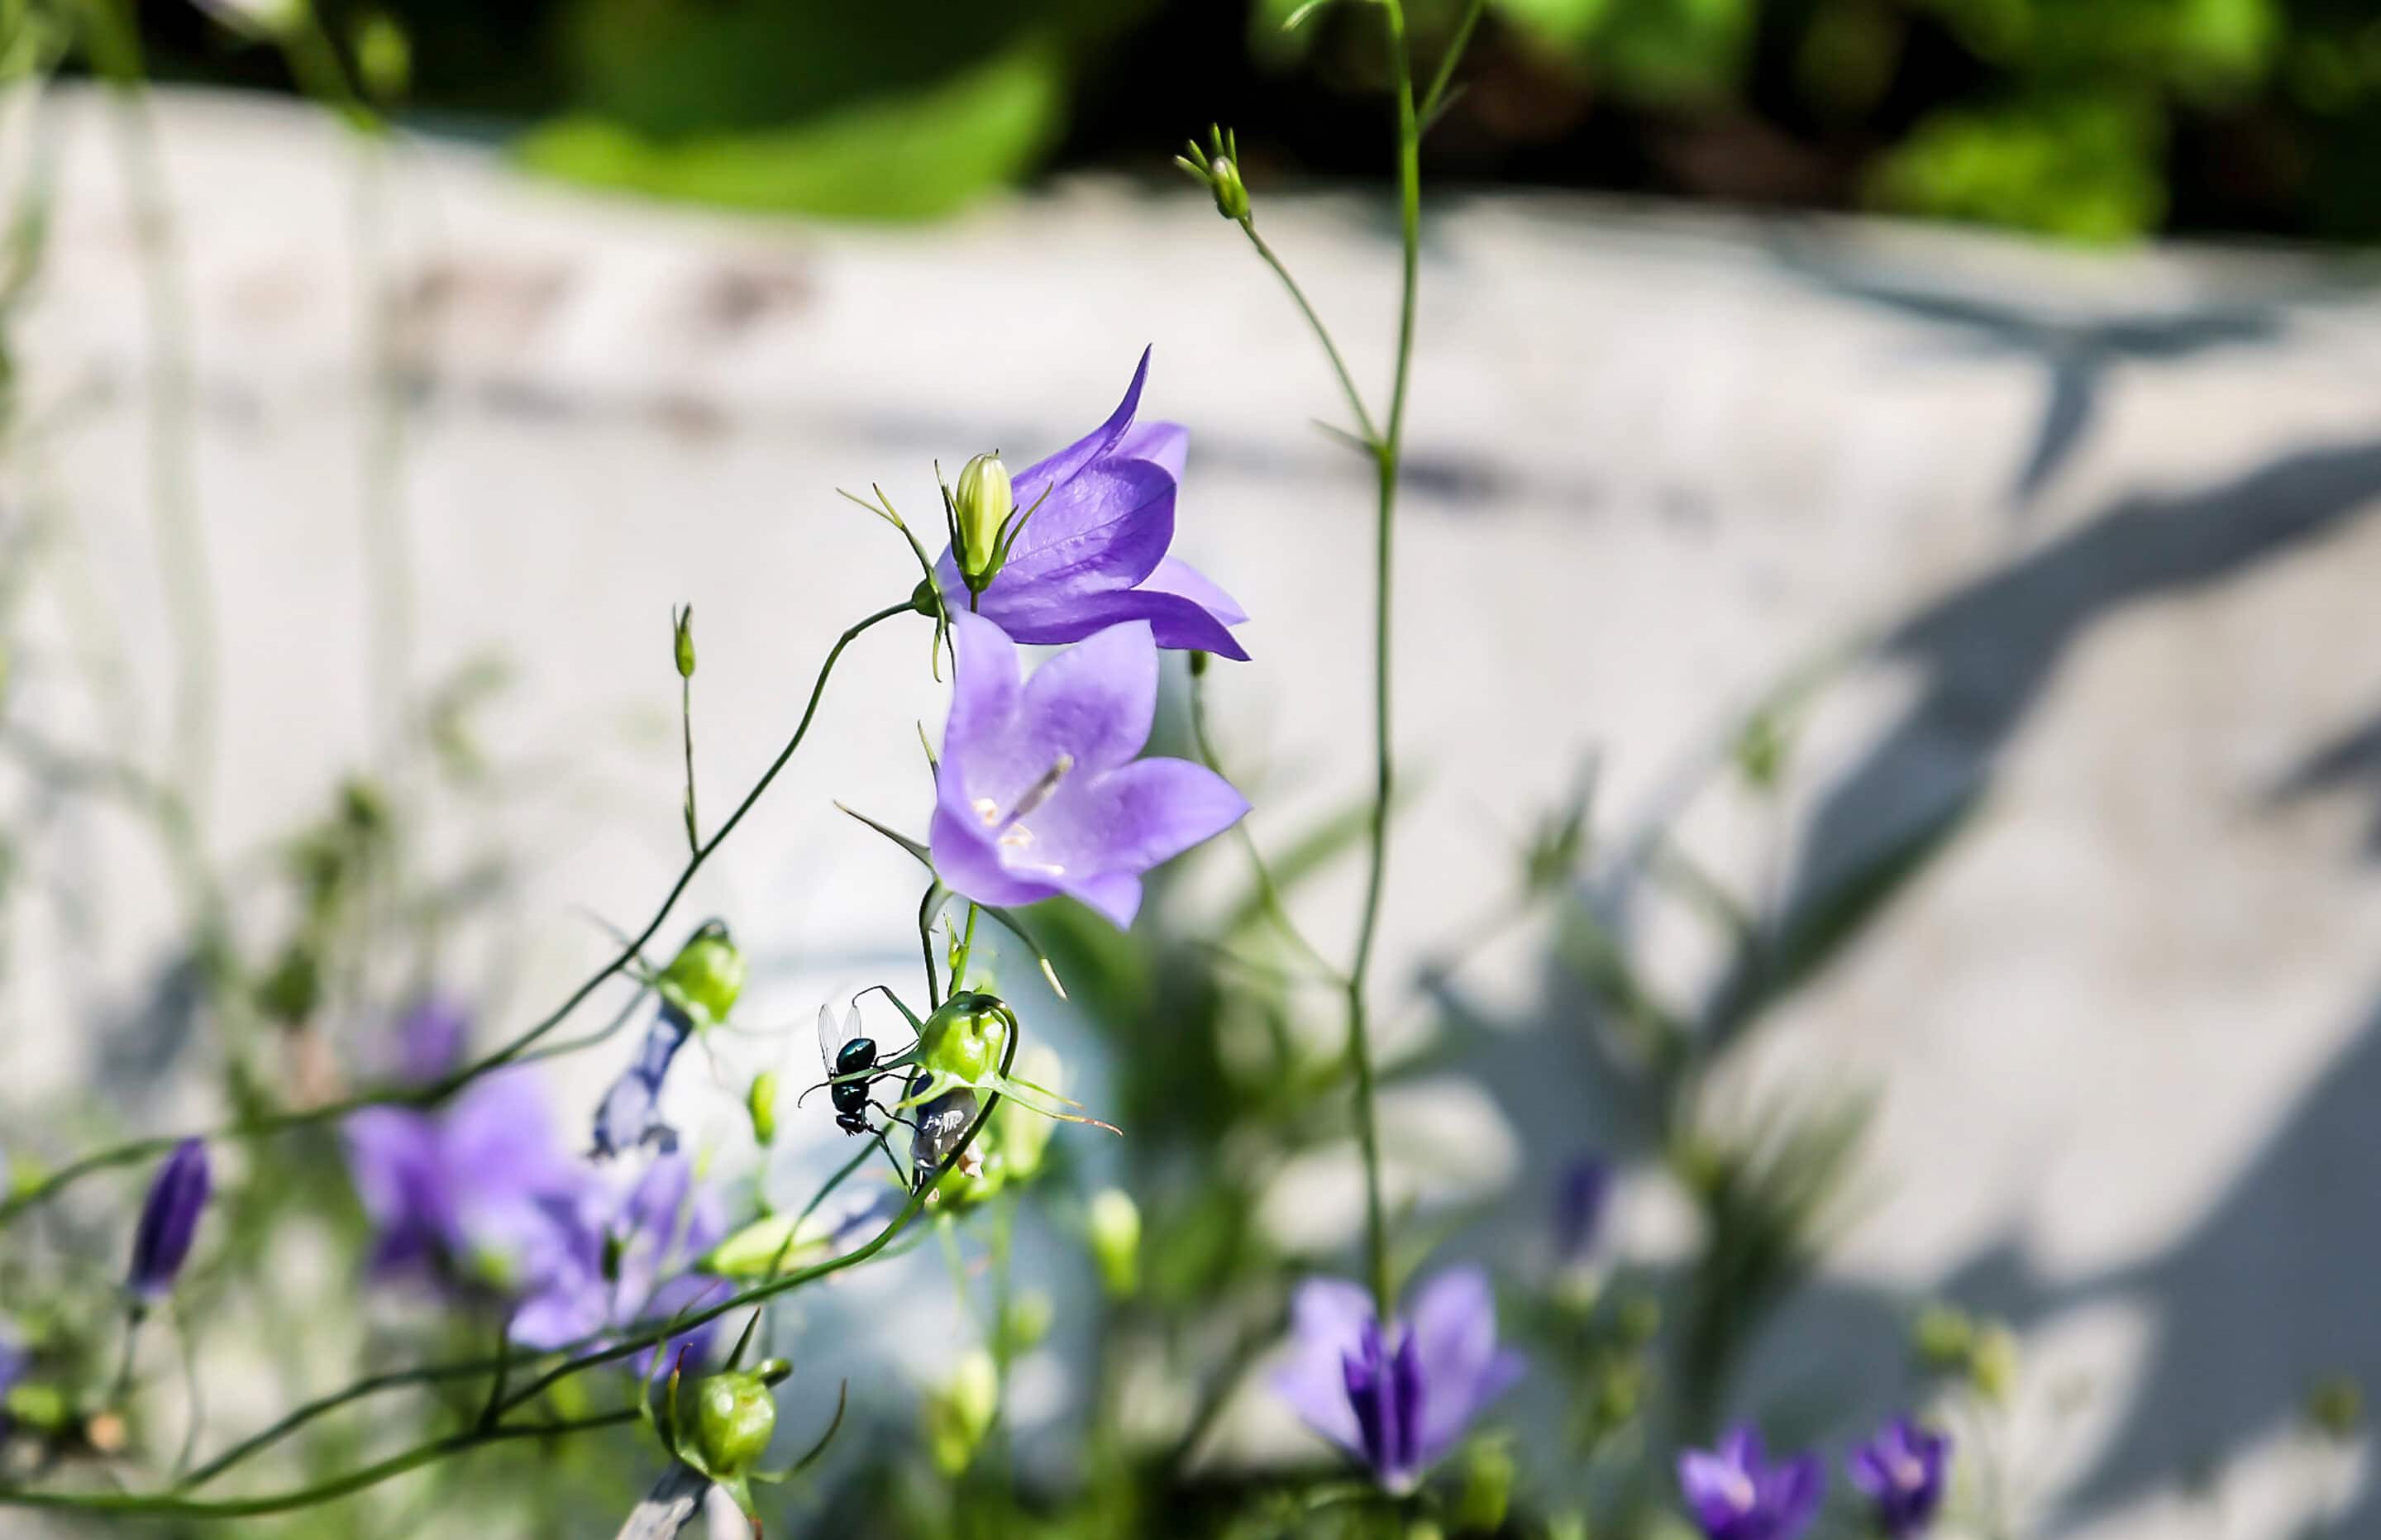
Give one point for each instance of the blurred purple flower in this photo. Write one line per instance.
(1095, 551)
(630, 1264)
(1581, 1190)
(630, 1114)
(1397, 1399)
(477, 1192)
(1736, 1494)
(430, 1040)
(169, 1221)
(1901, 1471)
(1039, 792)
(14, 1362)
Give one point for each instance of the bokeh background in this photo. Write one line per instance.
(1885, 680)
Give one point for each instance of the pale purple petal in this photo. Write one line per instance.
(1132, 819)
(1183, 581)
(1113, 895)
(1042, 619)
(1455, 1327)
(394, 1162)
(1094, 703)
(1163, 444)
(966, 860)
(431, 1039)
(1327, 1320)
(984, 688)
(1802, 1482)
(1718, 1491)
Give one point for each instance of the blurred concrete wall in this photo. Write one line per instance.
(2102, 528)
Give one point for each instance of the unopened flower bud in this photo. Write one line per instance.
(169, 1221)
(1992, 1364)
(383, 56)
(706, 977)
(967, 1038)
(1027, 1322)
(982, 504)
(1217, 168)
(1115, 1231)
(2335, 1408)
(682, 640)
(735, 1416)
(1942, 1337)
(760, 1105)
(1487, 1487)
(959, 1413)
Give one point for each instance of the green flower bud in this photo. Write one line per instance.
(2335, 1407)
(1992, 1364)
(735, 1416)
(1020, 1135)
(1217, 168)
(967, 1038)
(682, 640)
(1942, 1337)
(1487, 1489)
(981, 506)
(958, 1414)
(44, 1407)
(383, 56)
(1027, 1322)
(706, 977)
(1115, 1231)
(781, 1240)
(760, 1105)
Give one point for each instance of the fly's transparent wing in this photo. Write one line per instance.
(830, 1040)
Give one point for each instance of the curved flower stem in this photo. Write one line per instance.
(1389, 456)
(438, 1091)
(165, 1505)
(1268, 891)
(1321, 332)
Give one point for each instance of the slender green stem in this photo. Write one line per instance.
(1268, 891)
(1436, 97)
(685, 724)
(438, 1091)
(164, 1506)
(1321, 332)
(190, 599)
(1390, 457)
(928, 907)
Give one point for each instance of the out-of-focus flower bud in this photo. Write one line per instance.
(1115, 1233)
(169, 1221)
(706, 978)
(2335, 1407)
(1942, 1337)
(1487, 1487)
(1217, 168)
(1027, 1322)
(682, 640)
(1021, 1136)
(384, 57)
(760, 1105)
(981, 506)
(1992, 1364)
(735, 1416)
(958, 1414)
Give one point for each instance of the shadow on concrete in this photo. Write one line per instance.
(2079, 355)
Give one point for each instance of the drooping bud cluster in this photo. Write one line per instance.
(1217, 168)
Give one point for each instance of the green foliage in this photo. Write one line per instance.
(2080, 166)
(903, 157)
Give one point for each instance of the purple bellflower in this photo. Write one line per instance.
(14, 1362)
(1039, 792)
(1396, 1399)
(1901, 1472)
(430, 1040)
(619, 1262)
(1735, 1493)
(1094, 550)
(474, 1194)
(169, 1221)
(630, 1114)
(1582, 1189)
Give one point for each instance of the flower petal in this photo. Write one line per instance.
(1094, 703)
(1107, 527)
(1175, 622)
(1030, 481)
(1180, 578)
(965, 859)
(1716, 1489)
(1132, 819)
(1163, 444)
(1455, 1332)
(984, 690)
(1114, 895)
(1328, 1321)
